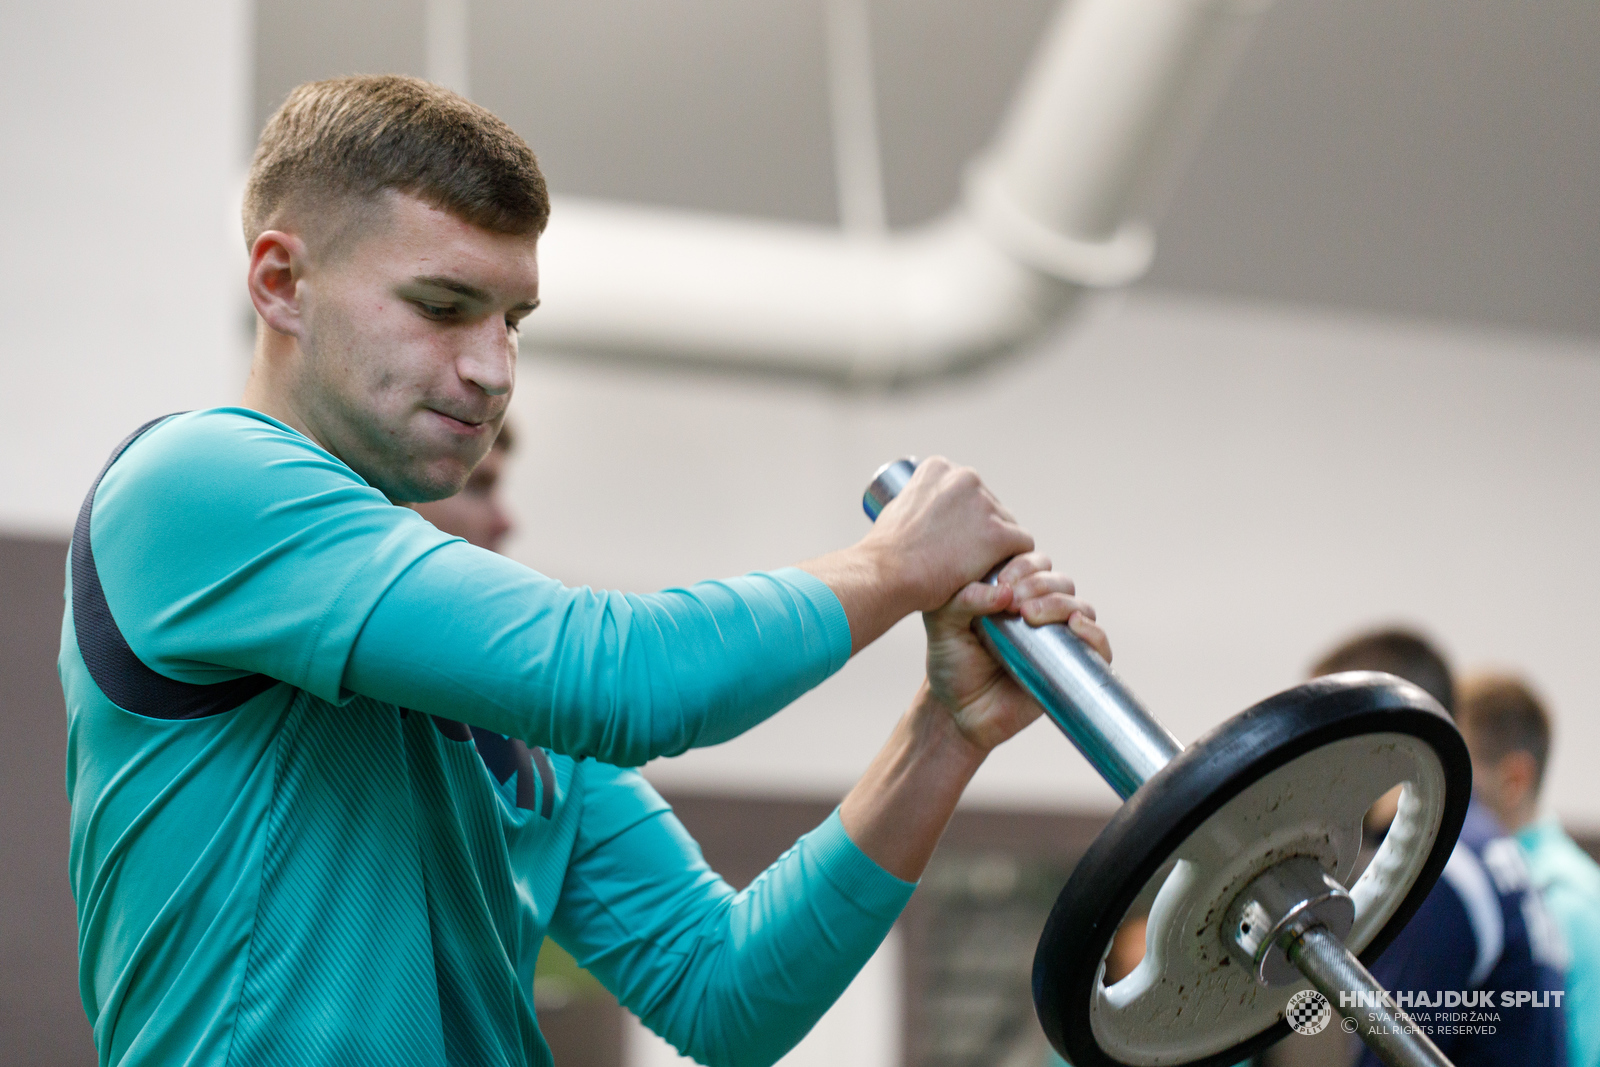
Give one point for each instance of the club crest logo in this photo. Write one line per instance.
(1308, 1012)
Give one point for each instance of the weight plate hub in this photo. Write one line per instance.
(1291, 776)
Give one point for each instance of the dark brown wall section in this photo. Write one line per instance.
(41, 1017)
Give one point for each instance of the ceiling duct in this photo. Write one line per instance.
(1058, 203)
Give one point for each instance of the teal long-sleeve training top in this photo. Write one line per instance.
(334, 776)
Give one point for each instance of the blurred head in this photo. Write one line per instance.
(392, 228)
(1508, 733)
(1403, 654)
(477, 513)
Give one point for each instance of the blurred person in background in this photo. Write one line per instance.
(1482, 925)
(477, 514)
(1404, 655)
(1508, 733)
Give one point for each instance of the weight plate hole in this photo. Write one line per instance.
(1127, 948)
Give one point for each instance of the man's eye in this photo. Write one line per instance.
(436, 311)
(514, 325)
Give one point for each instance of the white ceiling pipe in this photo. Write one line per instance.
(1107, 98)
(1055, 206)
(853, 107)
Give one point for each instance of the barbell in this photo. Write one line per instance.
(1244, 848)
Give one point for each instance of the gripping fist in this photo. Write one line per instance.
(943, 530)
(986, 705)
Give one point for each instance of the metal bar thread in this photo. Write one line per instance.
(1386, 1028)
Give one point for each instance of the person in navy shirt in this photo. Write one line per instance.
(1482, 932)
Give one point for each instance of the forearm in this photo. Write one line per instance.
(824, 906)
(899, 809)
(728, 978)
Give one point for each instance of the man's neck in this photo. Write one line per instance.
(266, 389)
(1511, 818)
(1521, 818)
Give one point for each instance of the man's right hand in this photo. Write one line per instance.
(945, 529)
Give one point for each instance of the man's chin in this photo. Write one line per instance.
(427, 491)
(416, 467)
(436, 481)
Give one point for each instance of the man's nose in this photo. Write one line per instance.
(489, 359)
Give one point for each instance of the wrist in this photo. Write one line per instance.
(936, 737)
(894, 571)
(873, 585)
(898, 810)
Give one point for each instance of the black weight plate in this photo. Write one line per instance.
(1168, 808)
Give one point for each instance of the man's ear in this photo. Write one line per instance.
(277, 265)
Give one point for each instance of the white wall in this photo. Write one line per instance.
(124, 140)
(1234, 486)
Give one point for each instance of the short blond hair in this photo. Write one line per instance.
(338, 144)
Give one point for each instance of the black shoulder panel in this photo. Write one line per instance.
(120, 674)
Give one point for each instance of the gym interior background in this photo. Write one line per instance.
(1360, 383)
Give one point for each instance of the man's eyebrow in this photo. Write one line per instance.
(471, 292)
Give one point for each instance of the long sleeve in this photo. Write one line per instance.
(232, 545)
(729, 978)
(619, 677)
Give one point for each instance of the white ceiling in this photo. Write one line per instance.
(1435, 158)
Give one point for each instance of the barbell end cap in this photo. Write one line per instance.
(886, 484)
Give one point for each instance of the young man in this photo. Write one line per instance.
(1508, 733)
(1481, 926)
(334, 774)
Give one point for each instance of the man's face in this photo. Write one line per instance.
(1508, 784)
(477, 512)
(409, 345)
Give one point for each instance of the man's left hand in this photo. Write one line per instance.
(985, 704)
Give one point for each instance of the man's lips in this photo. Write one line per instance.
(462, 425)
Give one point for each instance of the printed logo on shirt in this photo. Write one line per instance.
(506, 756)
